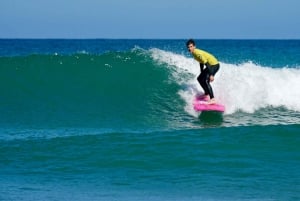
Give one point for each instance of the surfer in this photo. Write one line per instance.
(207, 74)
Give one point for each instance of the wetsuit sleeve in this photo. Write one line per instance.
(201, 67)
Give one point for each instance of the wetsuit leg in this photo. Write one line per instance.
(214, 69)
(206, 82)
(202, 81)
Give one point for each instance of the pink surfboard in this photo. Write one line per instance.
(200, 104)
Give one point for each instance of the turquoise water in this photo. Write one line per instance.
(113, 120)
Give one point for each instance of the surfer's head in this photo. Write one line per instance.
(190, 44)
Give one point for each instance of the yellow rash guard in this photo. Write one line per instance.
(204, 57)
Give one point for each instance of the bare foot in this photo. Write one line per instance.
(212, 101)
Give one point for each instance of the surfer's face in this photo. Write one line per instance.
(191, 48)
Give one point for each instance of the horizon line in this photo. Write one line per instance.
(54, 38)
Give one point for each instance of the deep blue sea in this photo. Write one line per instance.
(113, 120)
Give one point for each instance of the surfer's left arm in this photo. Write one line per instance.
(201, 67)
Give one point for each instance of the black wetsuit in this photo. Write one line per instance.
(204, 79)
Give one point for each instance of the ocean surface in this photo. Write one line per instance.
(113, 120)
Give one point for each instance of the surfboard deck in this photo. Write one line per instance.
(200, 104)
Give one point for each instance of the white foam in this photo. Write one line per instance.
(246, 87)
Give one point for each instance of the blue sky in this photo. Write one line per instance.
(210, 19)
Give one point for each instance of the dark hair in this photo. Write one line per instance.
(190, 41)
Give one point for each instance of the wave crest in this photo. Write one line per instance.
(246, 87)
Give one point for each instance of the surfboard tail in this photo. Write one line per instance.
(202, 105)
